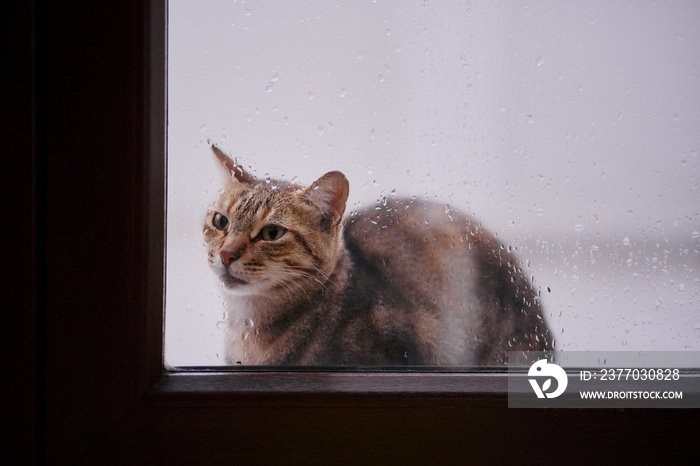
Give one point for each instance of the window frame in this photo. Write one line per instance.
(100, 391)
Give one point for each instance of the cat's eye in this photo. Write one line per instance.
(272, 232)
(219, 221)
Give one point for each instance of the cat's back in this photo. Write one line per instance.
(441, 274)
(415, 242)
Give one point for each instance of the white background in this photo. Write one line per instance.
(570, 129)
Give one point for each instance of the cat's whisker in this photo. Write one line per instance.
(326, 277)
(305, 274)
(286, 285)
(297, 274)
(204, 272)
(306, 269)
(309, 276)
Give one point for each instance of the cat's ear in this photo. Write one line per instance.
(330, 193)
(232, 170)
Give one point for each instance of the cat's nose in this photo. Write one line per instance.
(229, 256)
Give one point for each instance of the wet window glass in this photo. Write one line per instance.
(513, 176)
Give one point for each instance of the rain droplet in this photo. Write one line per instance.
(249, 323)
(271, 85)
(579, 227)
(539, 61)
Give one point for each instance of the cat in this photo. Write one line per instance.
(409, 283)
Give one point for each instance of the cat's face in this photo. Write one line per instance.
(274, 240)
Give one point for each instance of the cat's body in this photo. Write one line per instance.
(408, 283)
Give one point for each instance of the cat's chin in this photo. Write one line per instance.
(232, 283)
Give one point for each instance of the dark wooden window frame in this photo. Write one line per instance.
(89, 293)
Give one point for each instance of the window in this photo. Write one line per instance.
(568, 130)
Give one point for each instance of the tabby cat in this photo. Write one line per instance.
(404, 284)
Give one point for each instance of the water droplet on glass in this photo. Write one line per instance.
(579, 227)
(342, 92)
(271, 85)
(249, 323)
(539, 61)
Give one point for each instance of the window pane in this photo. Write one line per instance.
(568, 131)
